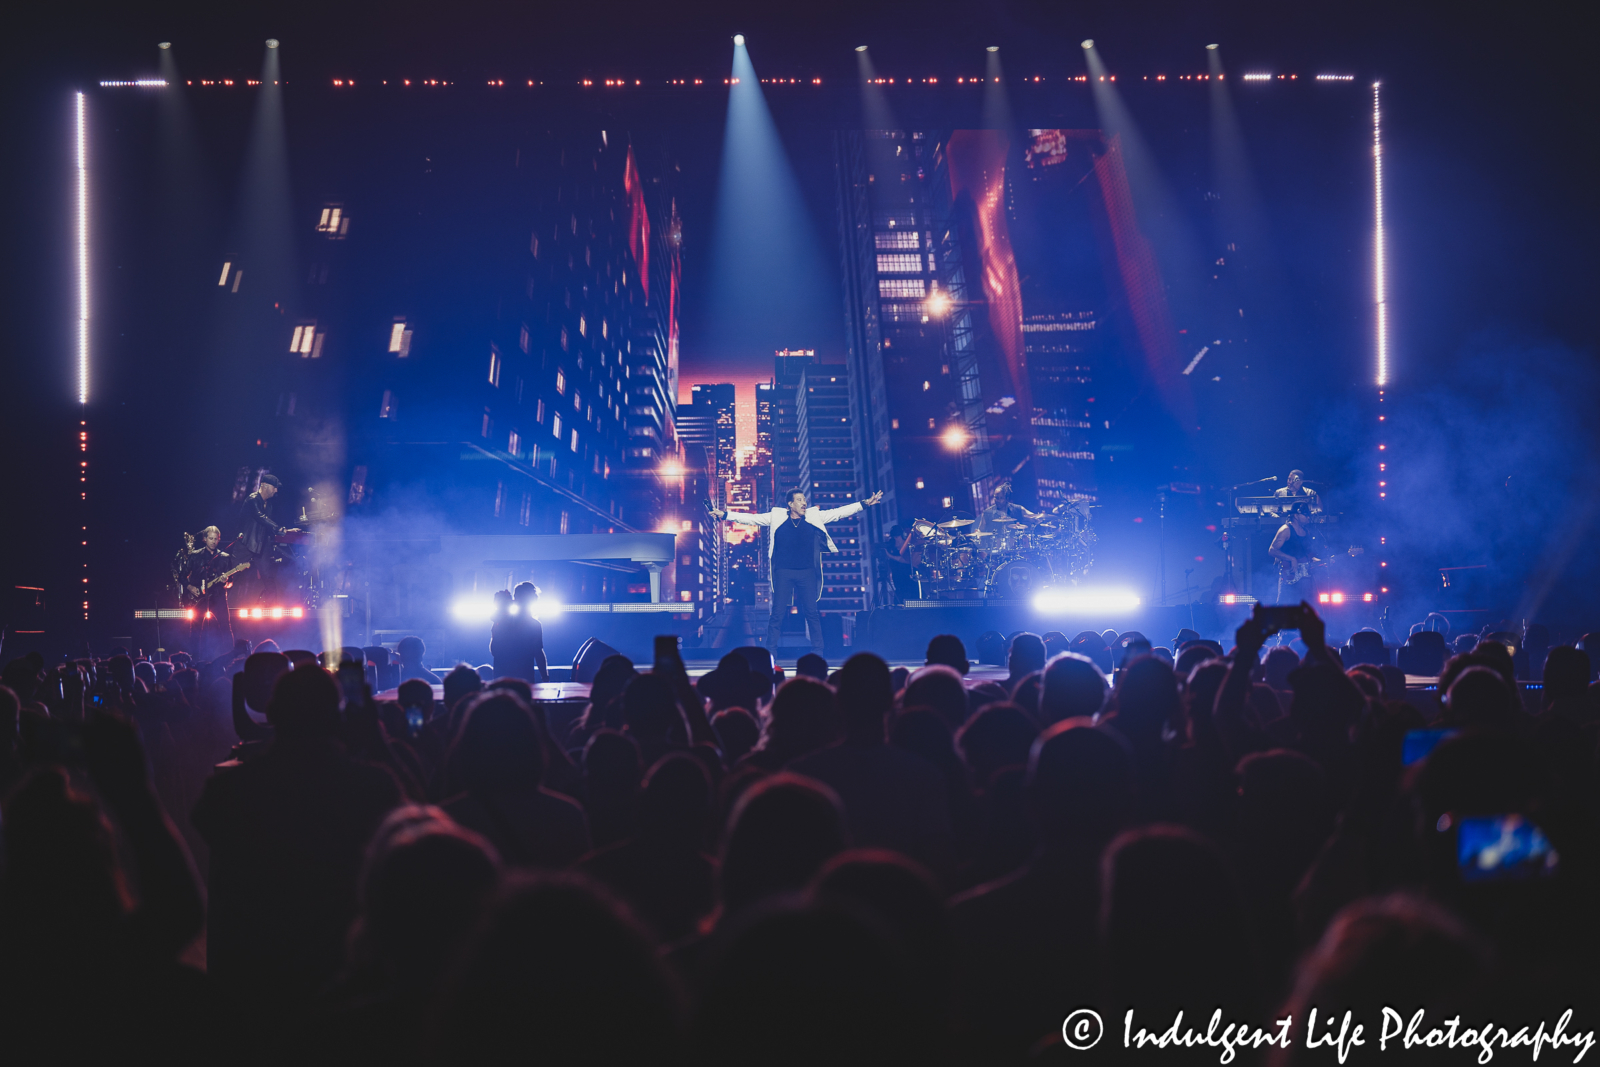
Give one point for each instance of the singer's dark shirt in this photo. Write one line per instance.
(796, 546)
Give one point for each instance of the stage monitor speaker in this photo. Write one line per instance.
(586, 664)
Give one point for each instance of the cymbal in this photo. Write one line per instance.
(956, 524)
(977, 534)
(1018, 527)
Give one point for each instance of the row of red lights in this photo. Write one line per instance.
(267, 613)
(83, 495)
(1340, 598)
(1322, 598)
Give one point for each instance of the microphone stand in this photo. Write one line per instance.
(1227, 541)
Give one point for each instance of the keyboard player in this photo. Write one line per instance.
(1296, 490)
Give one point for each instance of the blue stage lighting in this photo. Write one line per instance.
(738, 40)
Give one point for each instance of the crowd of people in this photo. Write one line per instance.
(256, 860)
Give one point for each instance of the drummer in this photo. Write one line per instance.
(1002, 513)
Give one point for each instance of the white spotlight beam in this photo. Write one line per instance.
(82, 122)
(1379, 286)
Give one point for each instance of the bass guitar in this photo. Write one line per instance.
(219, 580)
(1294, 572)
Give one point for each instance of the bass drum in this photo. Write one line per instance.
(1017, 579)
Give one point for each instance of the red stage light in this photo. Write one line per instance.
(1338, 598)
(255, 613)
(190, 615)
(244, 613)
(297, 613)
(1322, 598)
(277, 613)
(1367, 597)
(1230, 599)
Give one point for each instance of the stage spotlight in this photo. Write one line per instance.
(472, 608)
(1087, 42)
(938, 304)
(272, 42)
(955, 438)
(164, 45)
(993, 48)
(1083, 601)
(545, 608)
(738, 40)
(861, 48)
(1211, 48)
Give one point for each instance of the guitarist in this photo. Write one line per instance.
(213, 630)
(1291, 547)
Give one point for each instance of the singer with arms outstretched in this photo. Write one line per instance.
(794, 552)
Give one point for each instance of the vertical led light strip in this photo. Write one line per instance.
(1378, 287)
(82, 130)
(83, 249)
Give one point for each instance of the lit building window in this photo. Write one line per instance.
(577, 401)
(555, 426)
(947, 502)
(894, 424)
(919, 483)
(574, 440)
(494, 367)
(563, 338)
(386, 410)
(583, 327)
(514, 444)
(603, 335)
(894, 263)
(524, 340)
(538, 414)
(304, 340)
(533, 246)
(225, 268)
(400, 339)
(902, 288)
(899, 239)
(499, 499)
(685, 594)
(488, 423)
(561, 382)
(333, 222)
(527, 509)
(564, 522)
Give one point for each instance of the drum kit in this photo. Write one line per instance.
(960, 562)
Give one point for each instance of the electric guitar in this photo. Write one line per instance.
(221, 579)
(1290, 573)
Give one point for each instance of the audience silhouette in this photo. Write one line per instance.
(881, 866)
